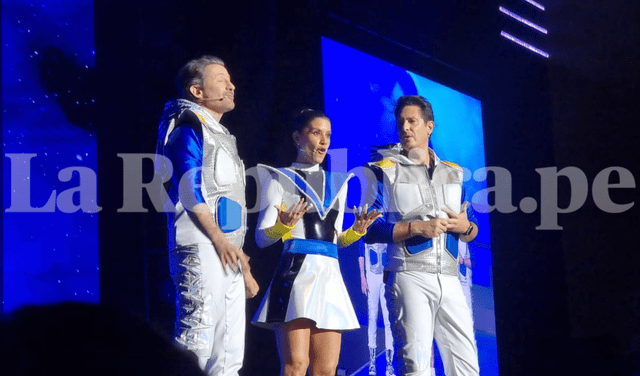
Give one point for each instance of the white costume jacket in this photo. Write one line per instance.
(222, 182)
(407, 193)
(205, 168)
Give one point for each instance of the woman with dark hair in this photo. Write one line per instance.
(307, 303)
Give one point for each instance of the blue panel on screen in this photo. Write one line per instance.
(47, 64)
(360, 95)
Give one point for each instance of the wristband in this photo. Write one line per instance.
(278, 230)
(350, 236)
(469, 230)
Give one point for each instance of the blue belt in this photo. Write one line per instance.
(311, 247)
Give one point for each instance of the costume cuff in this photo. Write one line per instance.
(278, 230)
(350, 236)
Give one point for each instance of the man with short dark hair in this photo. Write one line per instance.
(425, 213)
(206, 231)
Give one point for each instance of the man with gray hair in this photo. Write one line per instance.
(206, 231)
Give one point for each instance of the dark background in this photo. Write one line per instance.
(566, 301)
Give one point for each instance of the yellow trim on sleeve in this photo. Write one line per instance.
(277, 231)
(350, 236)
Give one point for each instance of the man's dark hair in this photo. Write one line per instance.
(192, 73)
(415, 100)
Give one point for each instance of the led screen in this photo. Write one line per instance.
(50, 246)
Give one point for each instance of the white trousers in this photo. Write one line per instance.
(426, 305)
(376, 299)
(210, 309)
(466, 290)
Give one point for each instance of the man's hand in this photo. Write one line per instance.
(364, 285)
(364, 219)
(290, 217)
(464, 261)
(429, 229)
(458, 223)
(229, 255)
(251, 287)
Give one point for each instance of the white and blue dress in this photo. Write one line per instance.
(307, 282)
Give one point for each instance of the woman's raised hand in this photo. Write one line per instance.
(364, 219)
(290, 217)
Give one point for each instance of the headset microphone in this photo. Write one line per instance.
(213, 99)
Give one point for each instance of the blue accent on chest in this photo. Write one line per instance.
(229, 215)
(418, 244)
(333, 182)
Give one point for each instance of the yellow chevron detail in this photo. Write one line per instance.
(386, 163)
(452, 165)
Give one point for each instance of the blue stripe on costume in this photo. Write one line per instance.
(418, 243)
(311, 247)
(380, 231)
(452, 244)
(184, 149)
(452, 239)
(334, 181)
(470, 212)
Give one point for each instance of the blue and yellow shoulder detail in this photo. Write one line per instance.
(454, 165)
(201, 118)
(385, 163)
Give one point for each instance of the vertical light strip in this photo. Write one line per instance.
(523, 20)
(524, 44)
(539, 6)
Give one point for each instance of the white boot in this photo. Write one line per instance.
(390, 363)
(372, 361)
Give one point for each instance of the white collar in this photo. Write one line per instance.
(401, 158)
(306, 167)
